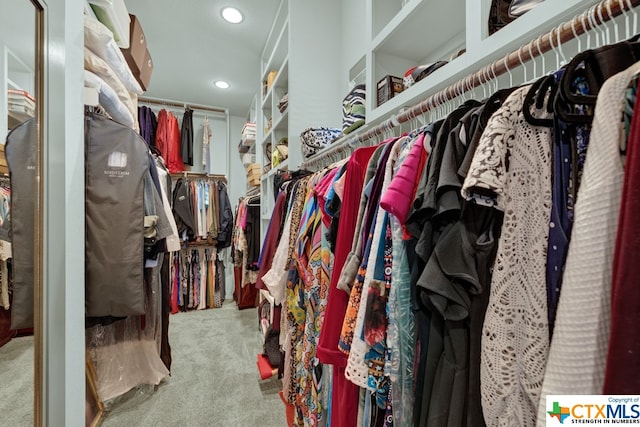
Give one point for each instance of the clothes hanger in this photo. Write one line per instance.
(543, 91)
(594, 24)
(482, 79)
(601, 26)
(446, 105)
(533, 61)
(540, 90)
(625, 13)
(599, 65)
(596, 66)
(575, 34)
(561, 107)
(616, 29)
(460, 96)
(495, 77)
(635, 17)
(486, 88)
(543, 69)
(414, 120)
(604, 25)
(554, 50)
(564, 61)
(583, 22)
(506, 65)
(470, 89)
(522, 64)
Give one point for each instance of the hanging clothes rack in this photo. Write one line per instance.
(595, 16)
(170, 103)
(187, 174)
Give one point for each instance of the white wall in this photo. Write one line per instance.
(63, 313)
(218, 126)
(354, 38)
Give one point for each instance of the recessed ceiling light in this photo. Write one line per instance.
(222, 84)
(232, 15)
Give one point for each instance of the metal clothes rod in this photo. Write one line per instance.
(170, 103)
(186, 174)
(593, 17)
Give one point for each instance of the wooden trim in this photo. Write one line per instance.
(93, 403)
(38, 301)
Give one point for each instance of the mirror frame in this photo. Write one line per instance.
(39, 94)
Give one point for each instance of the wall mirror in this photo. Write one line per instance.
(21, 90)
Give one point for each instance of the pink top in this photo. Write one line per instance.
(399, 196)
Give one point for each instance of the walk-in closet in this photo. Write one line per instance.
(363, 213)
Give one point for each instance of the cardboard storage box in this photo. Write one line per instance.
(253, 174)
(145, 73)
(136, 53)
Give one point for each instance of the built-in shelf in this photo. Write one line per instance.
(383, 11)
(266, 101)
(283, 166)
(358, 72)
(13, 85)
(279, 53)
(307, 58)
(267, 137)
(396, 41)
(398, 48)
(282, 123)
(16, 117)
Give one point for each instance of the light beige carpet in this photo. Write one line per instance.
(214, 379)
(16, 383)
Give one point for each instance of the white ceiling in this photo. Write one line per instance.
(192, 46)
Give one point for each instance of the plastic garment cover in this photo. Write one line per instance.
(126, 353)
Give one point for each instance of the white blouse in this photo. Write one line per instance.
(511, 170)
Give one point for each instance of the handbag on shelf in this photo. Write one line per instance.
(268, 151)
(281, 153)
(353, 109)
(315, 139)
(499, 15)
(503, 12)
(415, 74)
(520, 7)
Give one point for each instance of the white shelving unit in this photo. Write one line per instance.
(14, 74)
(300, 48)
(317, 64)
(425, 31)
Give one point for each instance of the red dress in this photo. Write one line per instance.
(344, 395)
(168, 141)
